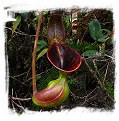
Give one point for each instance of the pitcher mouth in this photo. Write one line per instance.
(64, 57)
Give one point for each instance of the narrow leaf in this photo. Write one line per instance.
(42, 42)
(109, 88)
(41, 45)
(94, 27)
(42, 53)
(67, 20)
(16, 23)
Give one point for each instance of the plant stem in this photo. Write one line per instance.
(63, 74)
(34, 53)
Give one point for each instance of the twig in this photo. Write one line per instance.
(83, 35)
(16, 79)
(88, 94)
(106, 73)
(88, 99)
(105, 60)
(18, 100)
(20, 32)
(109, 56)
(84, 97)
(21, 99)
(19, 75)
(32, 77)
(12, 101)
(27, 73)
(74, 95)
(96, 67)
(18, 105)
(93, 73)
(98, 80)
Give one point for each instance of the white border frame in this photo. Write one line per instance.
(74, 114)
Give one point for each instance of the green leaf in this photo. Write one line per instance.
(16, 23)
(72, 81)
(46, 12)
(91, 53)
(102, 33)
(38, 77)
(94, 27)
(109, 88)
(111, 41)
(37, 15)
(41, 45)
(42, 53)
(67, 20)
(25, 15)
(102, 39)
